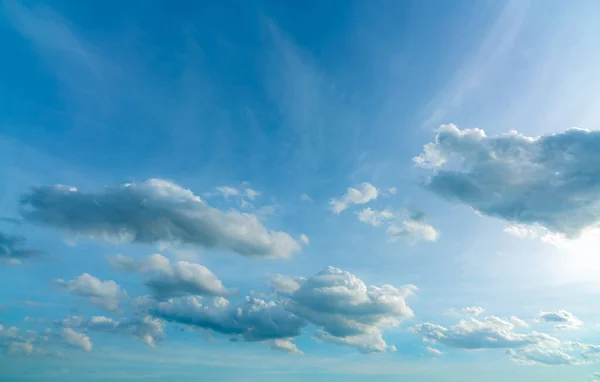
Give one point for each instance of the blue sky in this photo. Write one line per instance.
(267, 191)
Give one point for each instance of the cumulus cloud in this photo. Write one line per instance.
(286, 346)
(250, 320)
(285, 284)
(148, 329)
(172, 280)
(103, 293)
(563, 319)
(13, 248)
(151, 212)
(347, 311)
(550, 181)
(414, 229)
(76, 339)
(364, 193)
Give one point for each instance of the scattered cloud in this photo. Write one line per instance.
(13, 249)
(228, 191)
(364, 193)
(548, 181)
(252, 194)
(304, 239)
(285, 345)
(563, 319)
(374, 217)
(172, 280)
(434, 351)
(76, 339)
(151, 212)
(103, 293)
(474, 310)
(413, 229)
(149, 330)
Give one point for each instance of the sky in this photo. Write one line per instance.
(282, 191)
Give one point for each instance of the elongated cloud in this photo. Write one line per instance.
(551, 181)
(364, 193)
(150, 212)
(173, 280)
(563, 319)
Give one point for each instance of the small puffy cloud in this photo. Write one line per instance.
(364, 193)
(285, 284)
(306, 198)
(228, 191)
(173, 280)
(148, 329)
(76, 339)
(563, 319)
(13, 249)
(369, 342)
(304, 239)
(550, 181)
(155, 211)
(374, 217)
(286, 346)
(473, 310)
(251, 194)
(103, 293)
(413, 229)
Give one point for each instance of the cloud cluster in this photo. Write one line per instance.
(15, 342)
(172, 280)
(150, 212)
(106, 294)
(13, 250)
(550, 181)
(411, 228)
(364, 193)
(148, 329)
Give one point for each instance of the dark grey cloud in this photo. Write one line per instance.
(150, 212)
(13, 248)
(552, 181)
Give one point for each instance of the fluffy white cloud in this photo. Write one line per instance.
(563, 319)
(103, 293)
(413, 229)
(374, 217)
(148, 329)
(76, 339)
(13, 250)
(151, 212)
(285, 345)
(285, 284)
(347, 311)
(551, 181)
(172, 280)
(364, 193)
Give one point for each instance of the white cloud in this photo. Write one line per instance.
(548, 181)
(413, 229)
(151, 212)
(304, 239)
(285, 345)
(374, 217)
(252, 194)
(76, 339)
(285, 284)
(103, 293)
(364, 193)
(596, 377)
(173, 280)
(149, 330)
(474, 310)
(434, 351)
(563, 319)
